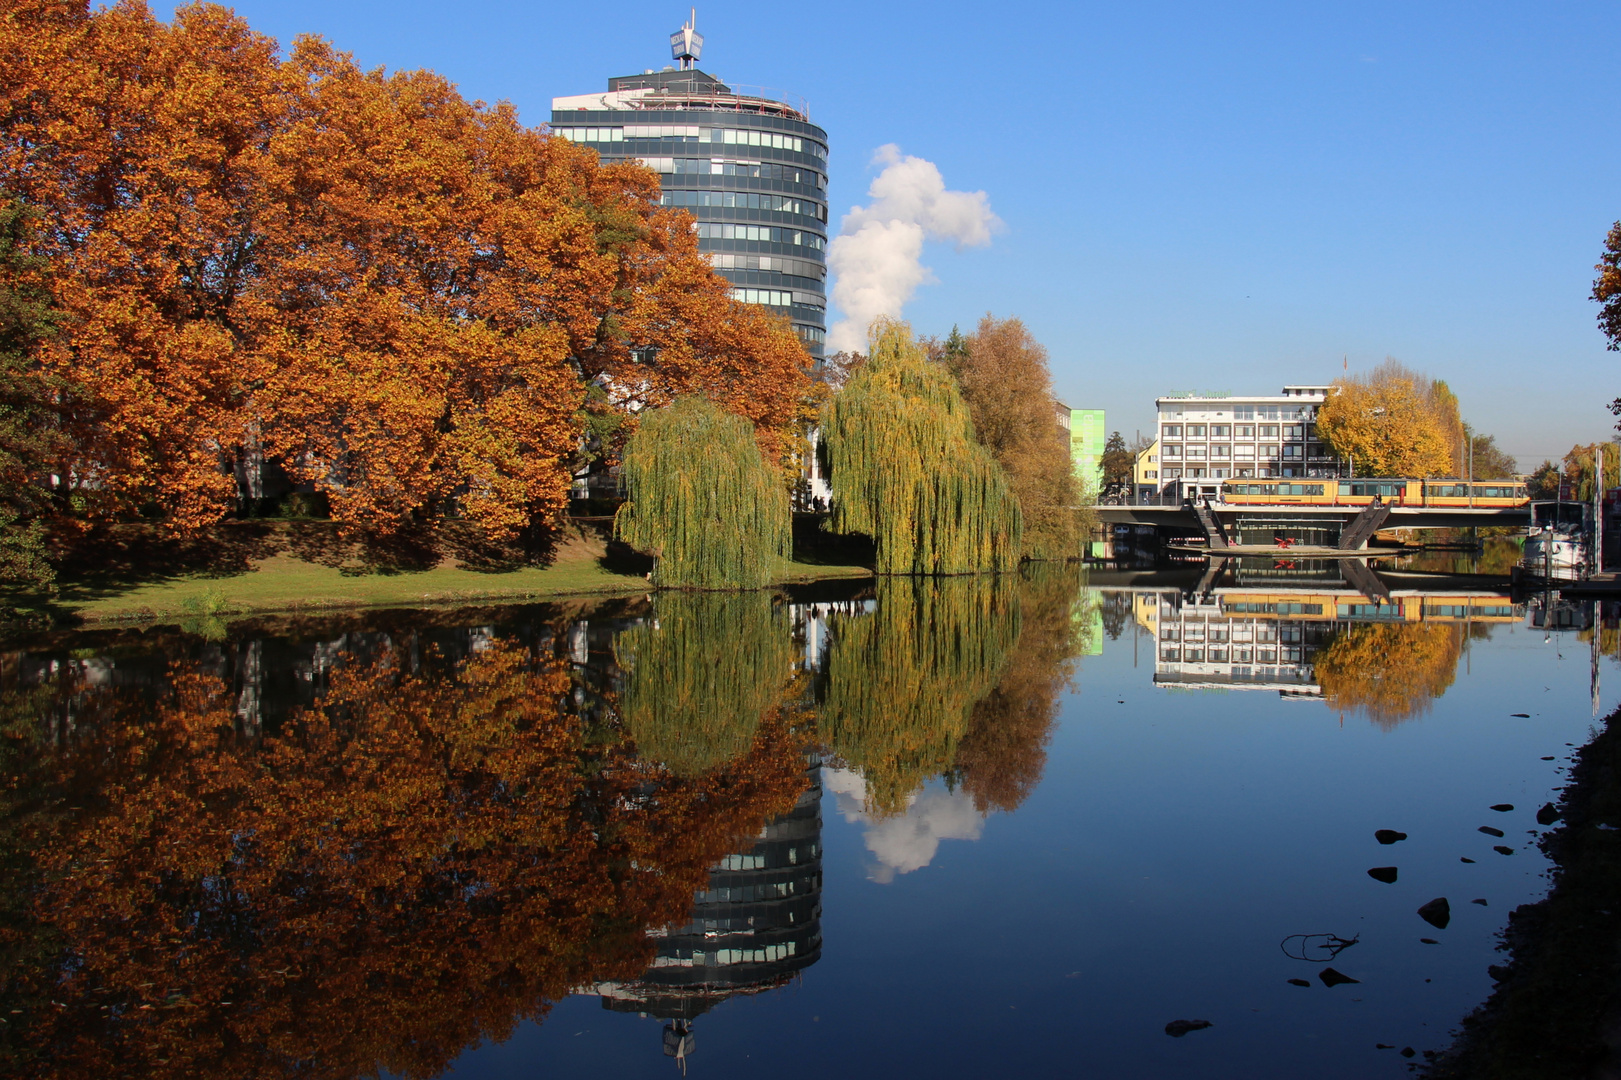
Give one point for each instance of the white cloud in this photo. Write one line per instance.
(909, 841)
(877, 258)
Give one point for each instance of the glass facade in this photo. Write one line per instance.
(751, 169)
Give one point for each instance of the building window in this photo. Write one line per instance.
(1291, 451)
(1244, 452)
(1244, 412)
(1173, 451)
(1196, 474)
(1195, 451)
(1294, 431)
(1218, 474)
(1244, 472)
(1269, 451)
(1269, 431)
(1246, 431)
(1151, 474)
(1220, 450)
(1221, 431)
(1195, 431)
(1173, 431)
(1173, 474)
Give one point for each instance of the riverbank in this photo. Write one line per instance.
(1556, 1008)
(242, 569)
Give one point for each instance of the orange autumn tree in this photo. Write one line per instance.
(400, 295)
(415, 864)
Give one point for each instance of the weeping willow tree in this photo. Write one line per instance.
(906, 469)
(703, 500)
(903, 681)
(700, 675)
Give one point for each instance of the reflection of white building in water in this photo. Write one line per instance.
(1254, 639)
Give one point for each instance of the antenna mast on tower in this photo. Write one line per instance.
(686, 43)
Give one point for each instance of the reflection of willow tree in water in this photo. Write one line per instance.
(1000, 759)
(698, 678)
(1390, 671)
(414, 865)
(903, 680)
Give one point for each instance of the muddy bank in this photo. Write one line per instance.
(1556, 1008)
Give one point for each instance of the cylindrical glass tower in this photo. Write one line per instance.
(746, 162)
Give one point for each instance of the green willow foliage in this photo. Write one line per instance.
(906, 468)
(703, 500)
(698, 677)
(904, 680)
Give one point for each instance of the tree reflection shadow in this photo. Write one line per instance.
(1389, 672)
(418, 862)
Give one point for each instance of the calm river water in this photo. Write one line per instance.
(957, 827)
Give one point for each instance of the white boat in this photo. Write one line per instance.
(1556, 544)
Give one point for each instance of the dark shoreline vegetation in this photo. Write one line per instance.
(1556, 1007)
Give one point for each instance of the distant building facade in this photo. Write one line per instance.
(1087, 437)
(1145, 470)
(750, 166)
(1206, 438)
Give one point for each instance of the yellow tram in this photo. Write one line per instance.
(1297, 491)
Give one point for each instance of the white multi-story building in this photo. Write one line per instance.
(1205, 438)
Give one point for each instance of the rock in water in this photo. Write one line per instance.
(1386, 874)
(1331, 977)
(1178, 1028)
(1501, 850)
(1437, 913)
(1389, 836)
(1489, 831)
(1466, 860)
(1408, 1051)
(1502, 807)
(1547, 815)
(1481, 902)
(1298, 982)
(1429, 941)
(1521, 715)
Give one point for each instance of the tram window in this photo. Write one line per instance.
(1448, 491)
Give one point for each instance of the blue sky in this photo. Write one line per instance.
(1199, 196)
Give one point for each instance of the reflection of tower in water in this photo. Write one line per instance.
(755, 926)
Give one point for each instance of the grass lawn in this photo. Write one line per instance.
(298, 567)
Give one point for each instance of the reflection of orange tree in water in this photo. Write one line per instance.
(1389, 671)
(412, 866)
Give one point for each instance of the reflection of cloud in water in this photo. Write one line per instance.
(907, 841)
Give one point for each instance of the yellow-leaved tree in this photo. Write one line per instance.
(1391, 421)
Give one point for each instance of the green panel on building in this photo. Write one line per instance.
(1086, 438)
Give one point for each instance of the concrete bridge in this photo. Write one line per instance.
(1347, 527)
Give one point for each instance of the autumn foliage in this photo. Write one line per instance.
(1392, 422)
(398, 295)
(415, 863)
(1391, 672)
